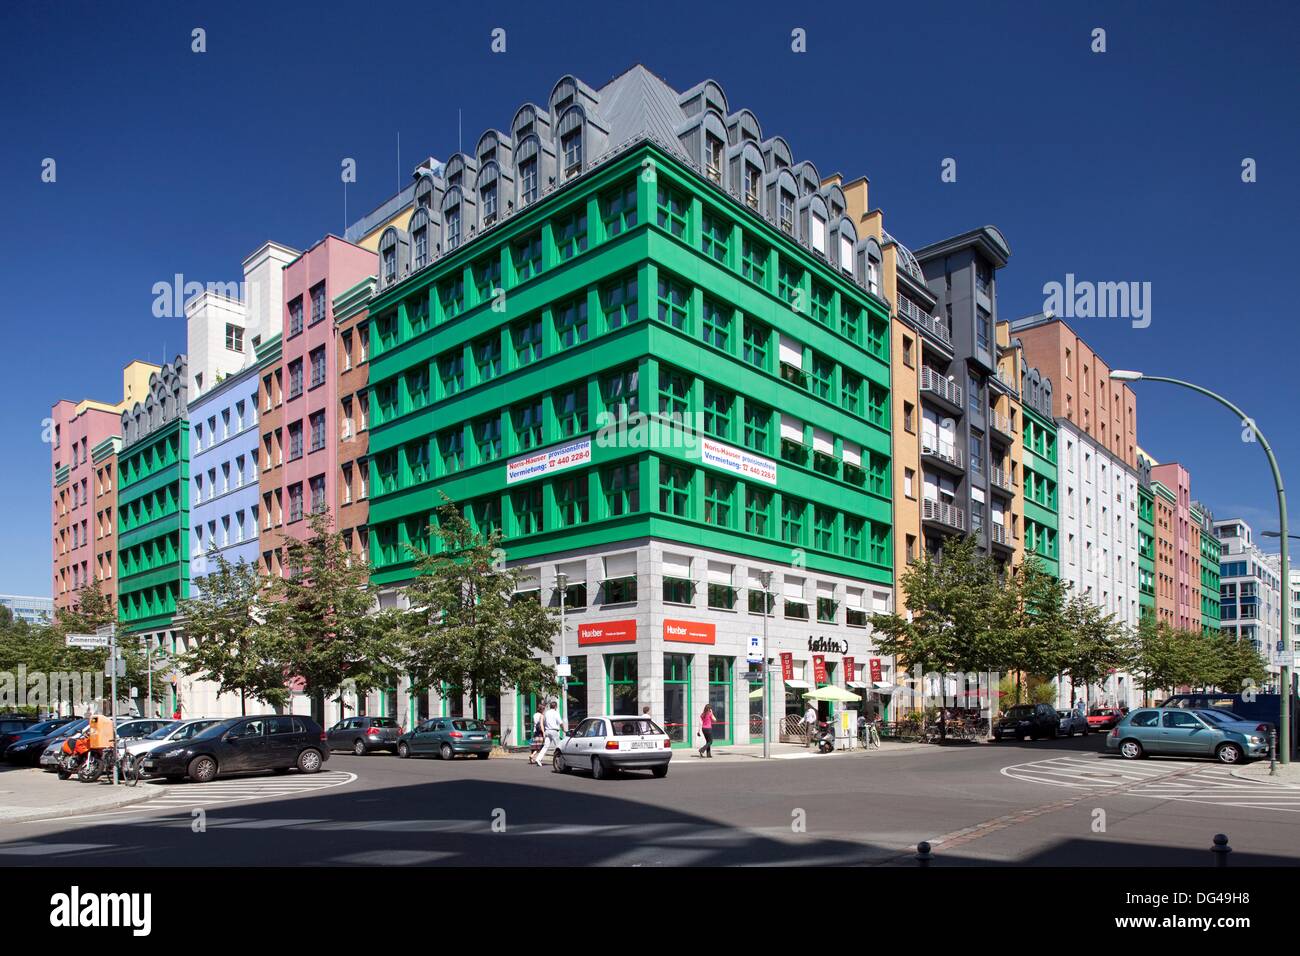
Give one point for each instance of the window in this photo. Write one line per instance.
(571, 147)
(421, 240)
(318, 494)
(487, 357)
(674, 392)
(718, 494)
(390, 273)
(571, 235)
(878, 336)
(620, 488)
(528, 424)
(713, 157)
(234, 338)
(451, 295)
(753, 261)
(295, 502)
(417, 315)
(618, 302)
(671, 209)
(879, 543)
(317, 431)
(787, 281)
(487, 438)
(852, 537)
(753, 186)
(487, 278)
(674, 490)
(717, 325)
(983, 333)
(571, 500)
(451, 373)
(571, 323)
(571, 410)
(527, 257)
(528, 179)
(295, 440)
(619, 392)
(878, 405)
(820, 300)
(488, 203)
(823, 529)
(319, 307)
(820, 376)
(673, 298)
(451, 449)
(451, 221)
(295, 316)
(317, 366)
(715, 237)
(758, 424)
(295, 378)
(717, 412)
(527, 506)
(619, 209)
(678, 590)
(527, 338)
(907, 352)
(851, 393)
(757, 337)
(792, 520)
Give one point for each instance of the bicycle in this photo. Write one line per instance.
(869, 736)
(100, 762)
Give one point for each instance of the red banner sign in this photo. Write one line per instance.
(607, 632)
(848, 669)
(787, 665)
(875, 669)
(689, 632)
(819, 669)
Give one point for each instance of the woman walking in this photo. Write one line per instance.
(706, 728)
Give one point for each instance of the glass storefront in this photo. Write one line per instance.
(756, 711)
(453, 701)
(677, 698)
(621, 673)
(575, 693)
(720, 697)
(489, 711)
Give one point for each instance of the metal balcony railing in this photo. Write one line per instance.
(948, 453)
(932, 381)
(953, 517)
(1001, 478)
(999, 533)
(1000, 422)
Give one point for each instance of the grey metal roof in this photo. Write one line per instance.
(638, 103)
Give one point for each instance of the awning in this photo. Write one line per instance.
(860, 685)
(798, 684)
(882, 686)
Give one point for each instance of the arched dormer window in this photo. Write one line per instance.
(713, 147)
(390, 256)
(747, 175)
(422, 238)
(528, 159)
(869, 259)
(777, 155)
(817, 225)
(845, 239)
(488, 193)
(452, 218)
(424, 192)
(571, 132)
(785, 193)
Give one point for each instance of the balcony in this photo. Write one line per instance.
(941, 513)
(941, 388)
(942, 454)
(1002, 479)
(999, 536)
(1001, 424)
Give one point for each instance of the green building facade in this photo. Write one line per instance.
(1209, 560)
(1042, 524)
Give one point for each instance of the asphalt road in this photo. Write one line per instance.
(1052, 802)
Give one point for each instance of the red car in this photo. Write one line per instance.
(1104, 718)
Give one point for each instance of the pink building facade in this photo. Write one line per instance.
(72, 507)
(310, 413)
(1187, 566)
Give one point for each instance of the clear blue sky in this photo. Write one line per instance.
(1122, 166)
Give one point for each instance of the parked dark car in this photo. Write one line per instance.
(12, 734)
(277, 742)
(1027, 720)
(361, 735)
(28, 751)
(447, 737)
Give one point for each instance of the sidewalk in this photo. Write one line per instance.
(1287, 776)
(779, 751)
(28, 794)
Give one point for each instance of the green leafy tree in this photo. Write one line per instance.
(466, 626)
(1097, 644)
(319, 624)
(233, 649)
(1029, 621)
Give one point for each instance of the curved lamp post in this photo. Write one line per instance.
(1284, 731)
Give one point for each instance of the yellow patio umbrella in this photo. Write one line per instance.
(831, 692)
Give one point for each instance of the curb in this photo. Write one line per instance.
(142, 792)
(1241, 774)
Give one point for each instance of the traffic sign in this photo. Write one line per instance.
(105, 632)
(86, 640)
(755, 650)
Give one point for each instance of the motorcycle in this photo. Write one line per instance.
(73, 756)
(824, 738)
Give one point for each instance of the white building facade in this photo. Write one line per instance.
(1250, 590)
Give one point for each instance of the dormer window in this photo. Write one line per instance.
(785, 210)
(753, 185)
(390, 265)
(818, 236)
(453, 180)
(571, 146)
(488, 201)
(528, 179)
(421, 237)
(713, 157)
(873, 277)
(452, 217)
(846, 254)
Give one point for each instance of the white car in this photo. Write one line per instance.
(176, 731)
(605, 745)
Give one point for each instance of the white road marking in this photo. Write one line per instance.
(188, 796)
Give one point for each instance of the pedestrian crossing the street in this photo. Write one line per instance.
(1183, 780)
(188, 796)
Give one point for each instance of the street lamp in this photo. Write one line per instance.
(1278, 534)
(766, 578)
(562, 582)
(1288, 658)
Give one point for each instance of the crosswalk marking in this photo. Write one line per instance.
(187, 796)
(1206, 783)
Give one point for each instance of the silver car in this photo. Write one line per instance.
(1072, 722)
(605, 745)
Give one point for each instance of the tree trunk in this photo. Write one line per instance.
(243, 703)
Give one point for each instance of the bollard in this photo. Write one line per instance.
(1220, 850)
(923, 854)
(1272, 751)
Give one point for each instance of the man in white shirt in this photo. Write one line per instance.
(810, 722)
(552, 727)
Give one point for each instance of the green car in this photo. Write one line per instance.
(447, 737)
(1187, 733)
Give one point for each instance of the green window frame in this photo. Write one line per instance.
(384, 466)
(526, 504)
(820, 303)
(879, 544)
(487, 278)
(878, 336)
(674, 302)
(851, 321)
(487, 357)
(571, 326)
(526, 255)
(571, 500)
(526, 419)
(853, 537)
(487, 438)
(758, 510)
(526, 337)
(787, 281)
(621, 684)
(571, 409)
(719, 493)
(620, 590)
(671, 208)
(386, 407)
(674, 490)
(486, 516)
(823, 528)
(674, 392)
(878, 405)
(451, 372)
(758, 427)
(720, 696)
(618, 209)
(451, 449)
(826, 609)
(678, 590)
(417, 387)
(451, 297)
(718, 404)
(570, 234)
(793, 512)
(715, 237)
(753, 261)
(417, 315)
(757, 344)
(620, 485)
(417, 462)
(821, 375)
(878, 474)
(618, 302)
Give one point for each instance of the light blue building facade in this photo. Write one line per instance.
(33, 610)
(224, 497)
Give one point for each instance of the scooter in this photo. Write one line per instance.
(73, 756)
(824, 739)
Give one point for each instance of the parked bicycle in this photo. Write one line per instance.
(101, 762)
